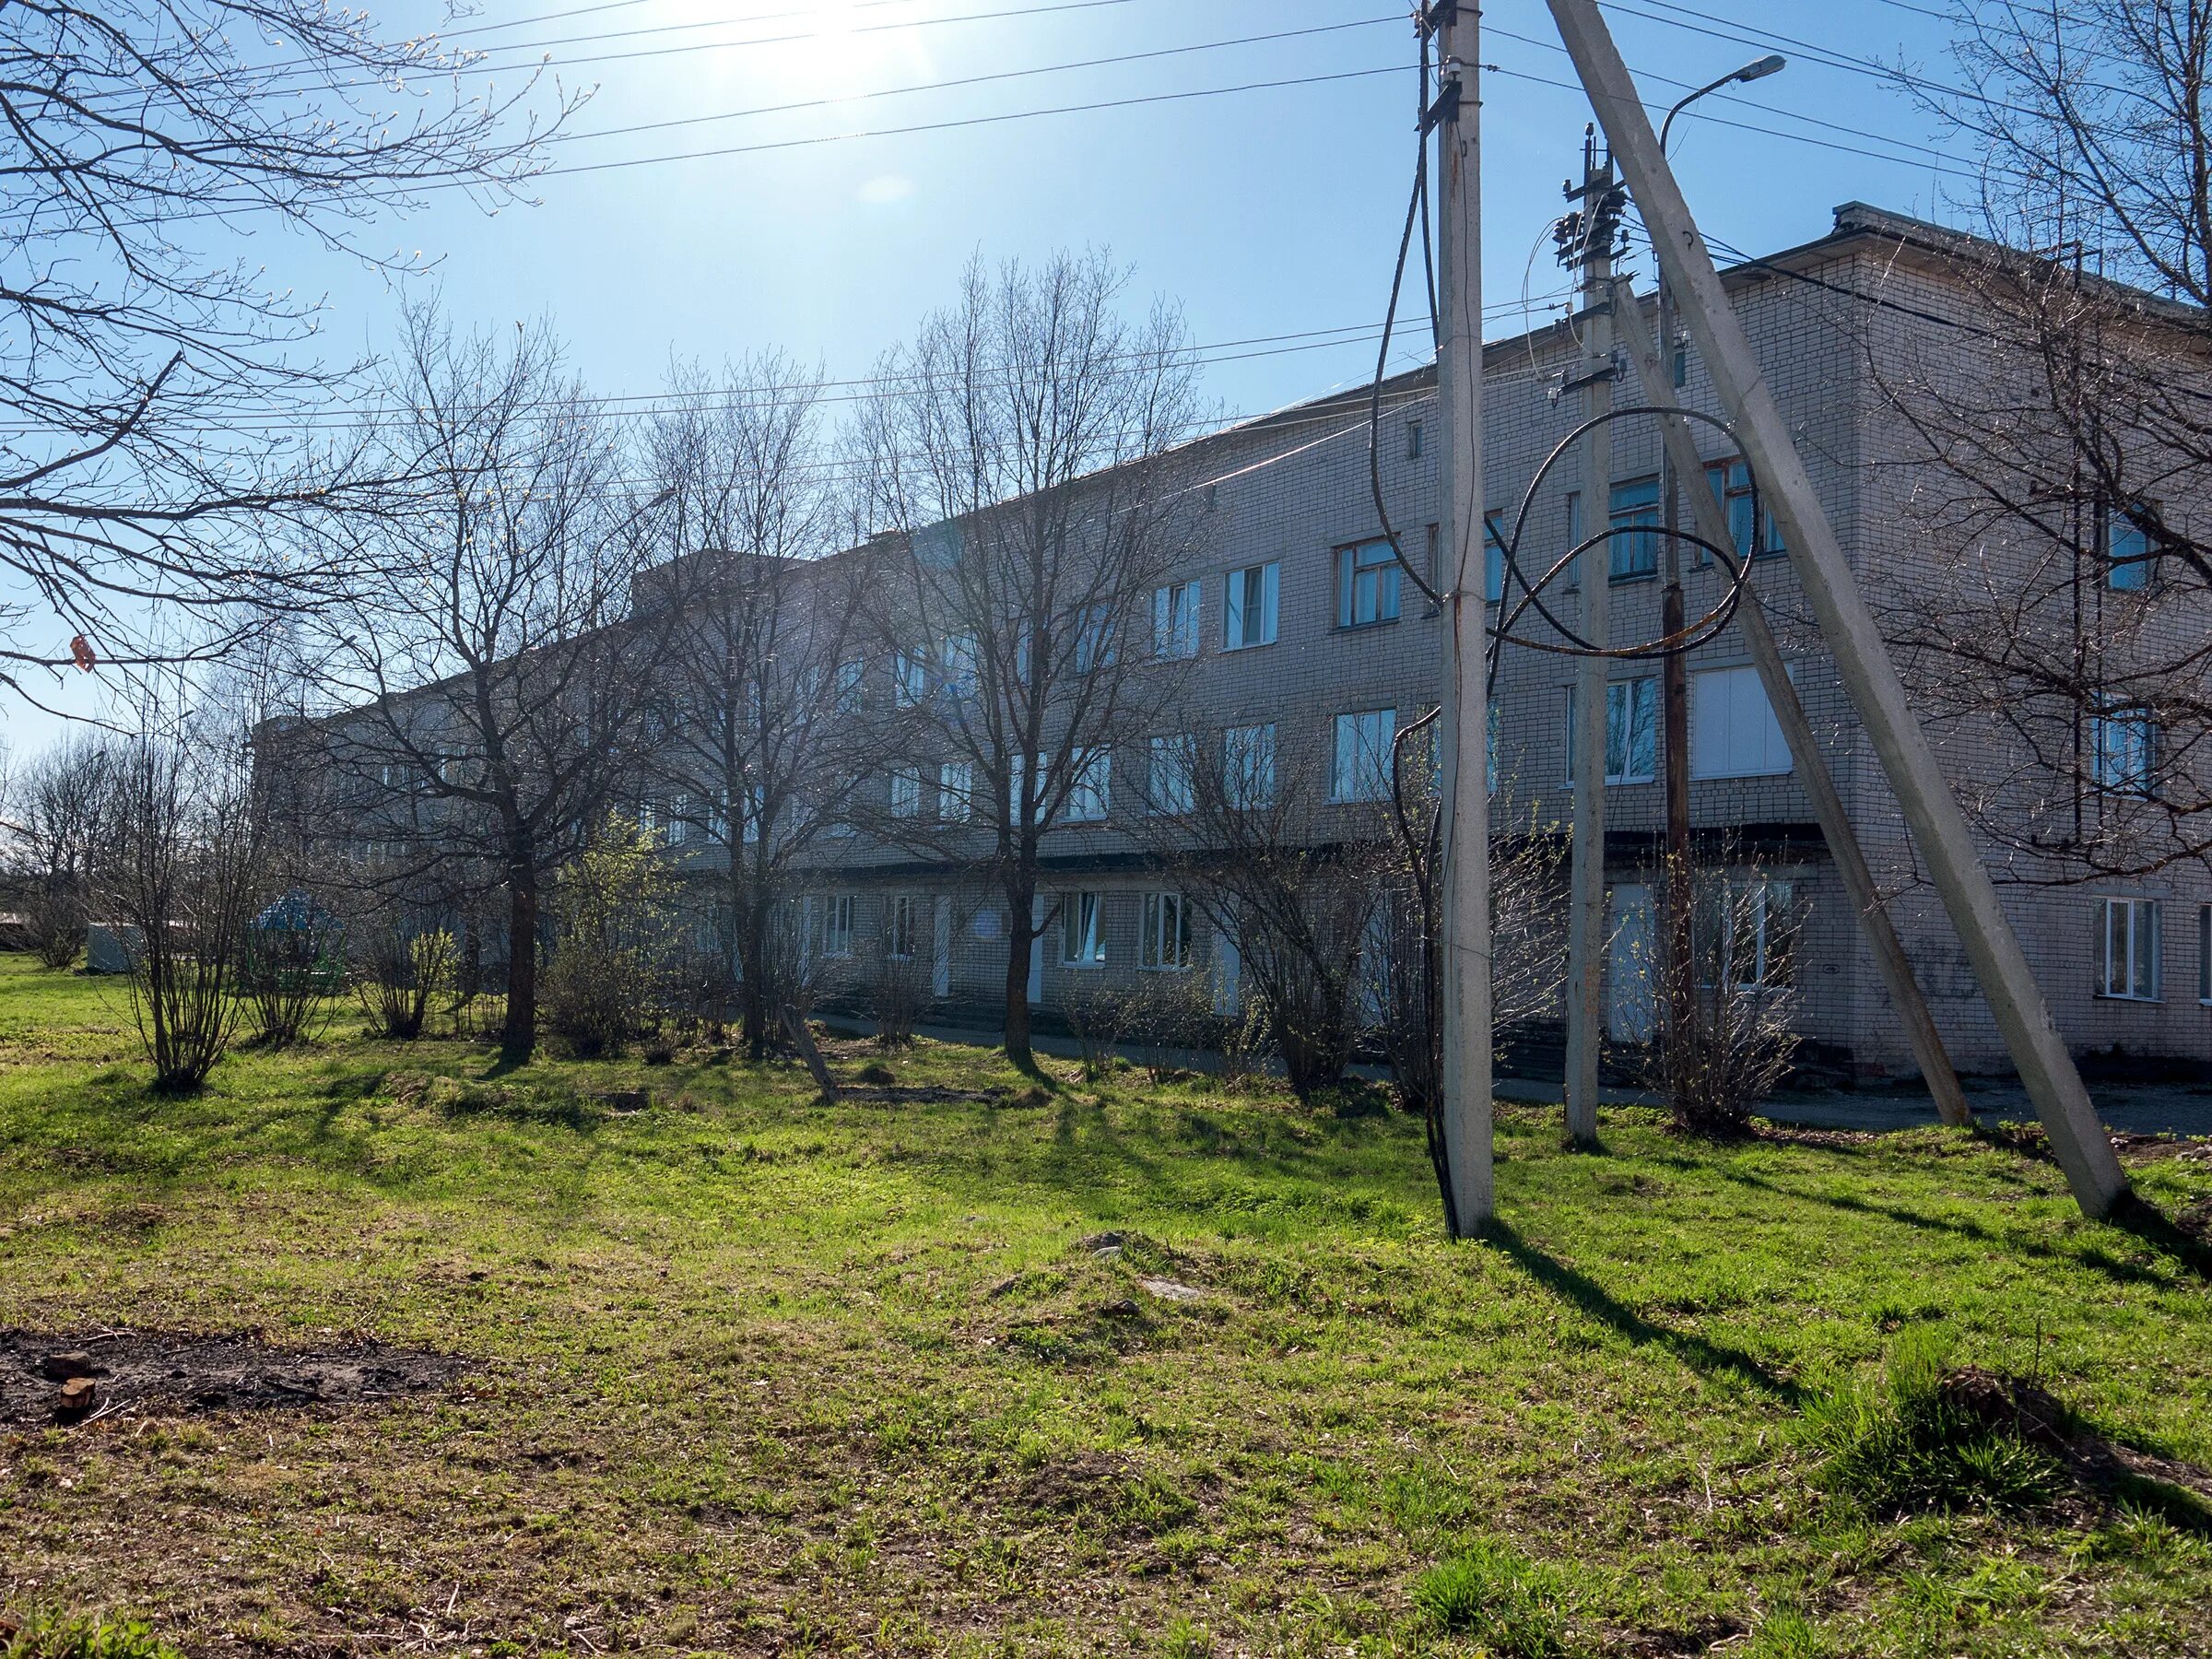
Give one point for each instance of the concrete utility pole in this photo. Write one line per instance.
(1680, 947)
(1465, 880)
(1587, 238)
(1938, 827)
(1711, 520)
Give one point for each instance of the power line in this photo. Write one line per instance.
(971, 80)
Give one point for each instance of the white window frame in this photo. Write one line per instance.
(1769, 893)
(837, 924)
(852, 685)
(1098, 638)
(1171, 774)
(899, 927)
(1355, 741)
(1634, 555)
(1090, 789)
(2137, 952)
(956, 791)
(1164, 936)
(1622, 698)
(910, 678)
(1242, 628)
(961, 663)
(906, 792)
(1082, 930)
(1248, 759)
(1175, 610)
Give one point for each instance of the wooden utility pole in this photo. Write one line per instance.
(1465, 880)
(1711, 520)
(1586, 237)
(1831, 591)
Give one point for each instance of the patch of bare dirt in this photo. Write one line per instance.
(47, 1377)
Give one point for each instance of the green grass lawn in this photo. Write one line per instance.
(753, 1374)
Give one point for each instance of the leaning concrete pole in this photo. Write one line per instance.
(1464, 946)
(1593, 573)
(1938, 826)
(1711, 520)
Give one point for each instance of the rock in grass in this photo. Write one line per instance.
(76, 1397)
(1170, 1290)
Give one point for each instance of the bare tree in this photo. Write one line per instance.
(1021, 461)
(501, 691)
(63, 801)
(2067, 408)
(760, 747)
(161, 402)
(1293, 881)
(180, 867)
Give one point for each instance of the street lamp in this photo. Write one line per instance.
(1674, 671)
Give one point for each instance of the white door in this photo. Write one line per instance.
(1631, 968)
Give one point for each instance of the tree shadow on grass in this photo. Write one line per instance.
(2150, 1226)
(1701, 1354)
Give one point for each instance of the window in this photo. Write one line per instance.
(2130, 955)
(1367, 584)
(649, 822)
(910, 678)
(1082, 944)
(1635, 508)
(1175, 620)
(2123, 750)
(2203, 954)
(2130, 556)
(1250, 599)
(1748, 929)
(1730, 482)
(754, 808)
(836, 925)
(1165, 942)
(1361, 767)
(898, 931)
(1493, 555)
(955, 791)
(1087, 790)
(1094, 646)
(851, 678)
(1732, 730)
(1631, 731)
(680, 820)
(906, 792)
(1413, 441)
(1248, 765)
(961, 676)
(1172, 781)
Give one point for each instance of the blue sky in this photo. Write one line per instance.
(1267, 213)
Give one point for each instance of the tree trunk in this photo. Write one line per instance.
(1022, 941)
(759, 997)
(518, 1039)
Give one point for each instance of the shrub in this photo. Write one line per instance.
(1509, 1603)
(613, 910)
(1913, 1439)
(898, 992)
(401, 976)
